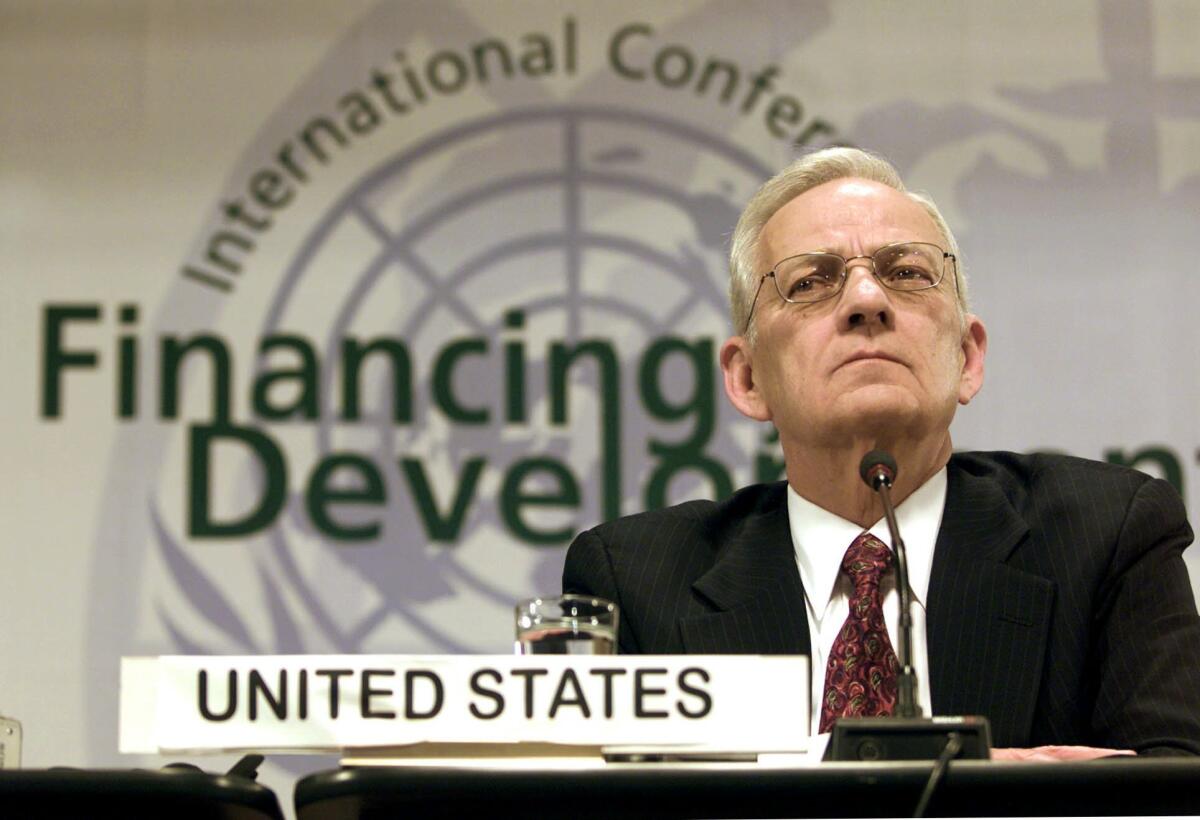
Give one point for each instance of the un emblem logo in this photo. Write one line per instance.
(513, 325)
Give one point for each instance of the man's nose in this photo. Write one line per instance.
(864, 300)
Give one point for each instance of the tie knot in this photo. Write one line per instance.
(867, 558)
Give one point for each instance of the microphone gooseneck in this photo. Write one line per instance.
(878, 470)
(905, 735)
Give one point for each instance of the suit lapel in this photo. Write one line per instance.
(987, 622)
(753, 590)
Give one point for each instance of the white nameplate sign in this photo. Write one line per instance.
(329, 702)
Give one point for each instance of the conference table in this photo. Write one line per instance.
(173, 793)
(1116, 786)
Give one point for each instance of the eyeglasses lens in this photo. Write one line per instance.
(811, 277)
(912, 266)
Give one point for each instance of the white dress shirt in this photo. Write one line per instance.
(820, 539)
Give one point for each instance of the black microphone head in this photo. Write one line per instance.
(878, 466)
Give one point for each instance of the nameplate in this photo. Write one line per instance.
(305, 703)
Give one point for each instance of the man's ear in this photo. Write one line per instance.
(974, 349)
(737, 365)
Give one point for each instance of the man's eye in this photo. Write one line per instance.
(811, 282)
(910, 274)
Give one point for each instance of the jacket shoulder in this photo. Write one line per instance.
(1052, 484)
(1014, 470)
(692, 523)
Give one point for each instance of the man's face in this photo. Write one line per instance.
(870, 361)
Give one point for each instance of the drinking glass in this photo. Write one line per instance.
(566, 625)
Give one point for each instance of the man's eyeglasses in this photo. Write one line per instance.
(813, 277)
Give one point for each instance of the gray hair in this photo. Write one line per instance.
(806, 173)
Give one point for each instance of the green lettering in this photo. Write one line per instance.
(701, 401)
(614, 49)
(361, 115)
(306, 403)
(609, 391)
(437, 526)
(681, 461)
(513, 498)
(321, 495)
(769, 465)
(127, 364)
(173, 354)
(499, 50)
(274, 480)
(354, 353)
(55, 357)
(443, 381)
(514, 370)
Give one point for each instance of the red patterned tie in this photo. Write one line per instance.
(860, 678)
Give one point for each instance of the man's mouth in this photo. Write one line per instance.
(870, 355)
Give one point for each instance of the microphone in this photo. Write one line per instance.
(878, 469)
(906, 735)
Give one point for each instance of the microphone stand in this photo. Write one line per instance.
(905, 735)
(906, 683)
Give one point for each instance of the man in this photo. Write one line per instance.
(1050, 592)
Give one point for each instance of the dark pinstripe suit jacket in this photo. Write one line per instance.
(1059, 605)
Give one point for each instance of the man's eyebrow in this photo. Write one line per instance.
(819, 249)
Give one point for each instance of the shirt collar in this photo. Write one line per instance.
(820, 539)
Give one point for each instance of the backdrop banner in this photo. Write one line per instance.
(328, 325)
